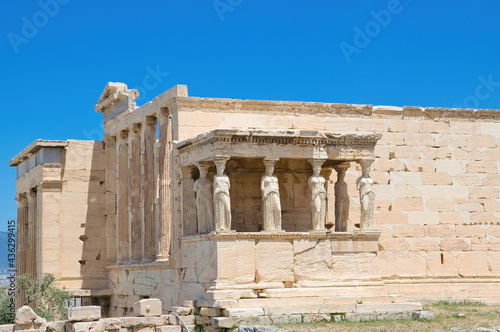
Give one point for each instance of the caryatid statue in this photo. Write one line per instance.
(222, 202)
(318, 195)
(366, 195)
(204, 202)
(341, 199)
(271, 206)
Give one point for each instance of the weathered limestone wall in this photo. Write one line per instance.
(436, 175)
(82, 216)
(63, 217)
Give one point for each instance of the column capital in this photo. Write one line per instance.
(136, 129)
(32, 192)
(317, 162)
(270, 161)
(221, 159)
(150, 121)
(203, 164)
(22, 198)
(366, 162)
(186, 172)
(163, 113)
(341, 167)
(109, 140)
(123, 135)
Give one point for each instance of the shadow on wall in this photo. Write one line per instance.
(84, 174)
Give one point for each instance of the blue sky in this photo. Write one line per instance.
(57, 56)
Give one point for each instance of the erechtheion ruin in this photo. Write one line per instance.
(282, 207)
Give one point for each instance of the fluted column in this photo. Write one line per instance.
(135, 219)
(188, 202)
(148, 193)
(341, 199)
(111, 193)
(122, 243)
(22, 230)
(22, 223)
(366, 195)
(165, 140)
(32, 233)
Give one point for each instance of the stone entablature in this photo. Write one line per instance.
(318, 148)
(306, 144)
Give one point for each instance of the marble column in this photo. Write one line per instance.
(366, 195)
(271, 205)
(148, 188)
(318, 196)
(22, 229)
(122, 242)
(32, 233)
(204, 200)
(111, 216)
(341, 199)
(222, 201)
(188, 202)
(22, 234)
(165, 220)
(135, 220)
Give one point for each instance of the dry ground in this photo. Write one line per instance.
(446, 316)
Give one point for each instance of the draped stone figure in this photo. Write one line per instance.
(204, 202)
(341, 200)
(271, 206)
(318, 196)
(222, 202)
(366, 195)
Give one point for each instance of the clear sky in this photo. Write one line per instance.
(57, 56)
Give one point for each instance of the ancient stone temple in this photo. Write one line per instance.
(282, 207)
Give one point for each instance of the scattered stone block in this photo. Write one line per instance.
(147, 308)
(25, 315)
(93, 326)
(336, 318)
(227, 322)
(262, 328)
(484, 329)
(388, 307)
(188, 320)
(57, 326)
(210, 312)
(316, 318)
(295, 319)
(111, 323)
(246, 329)
(7, 328)
(84, 314)
(423, 315)
(203, 320)
(182, 311)
(243, 312)
(130, 322)
(280, 319)
(188, 304)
